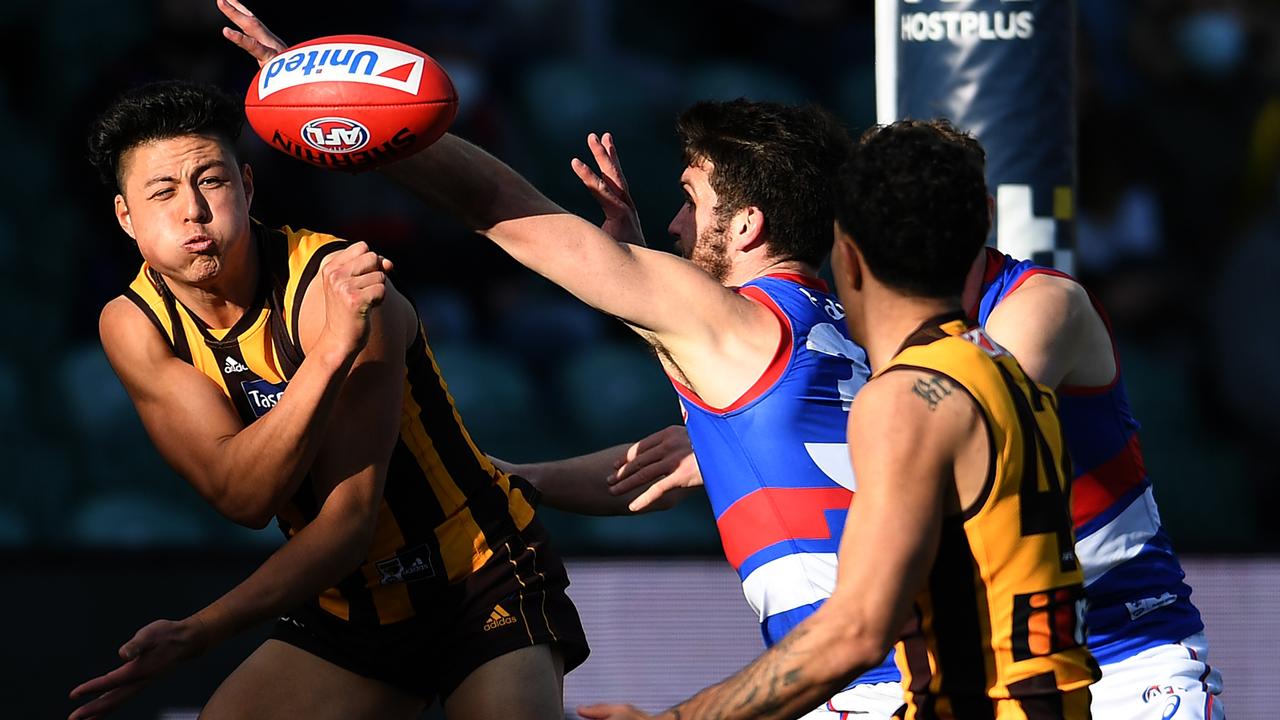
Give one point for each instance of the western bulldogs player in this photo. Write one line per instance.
(1143, 628)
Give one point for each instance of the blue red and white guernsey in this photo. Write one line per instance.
(1137, 595)
(775, 463)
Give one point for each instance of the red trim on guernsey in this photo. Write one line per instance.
(809, 281)
(1032, 272)
(1096, 490)
(777, 366)
(995, 261)
(771, 515)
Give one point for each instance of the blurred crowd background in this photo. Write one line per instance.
(1178, 234)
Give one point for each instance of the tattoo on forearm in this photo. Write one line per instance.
(933, 391)
(765, 688)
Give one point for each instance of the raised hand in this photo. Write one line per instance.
(153, 650)
(354, 282)
(609, 188)
(253, 37)
(664, 462)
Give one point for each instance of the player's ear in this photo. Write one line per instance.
(123, 217)
(748, 228)
(246, 179)
(845, 259)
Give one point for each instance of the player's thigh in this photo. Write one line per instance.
(281, 681)
(524, 684)
(1168, 681)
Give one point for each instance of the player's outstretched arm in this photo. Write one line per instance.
(1051, 326)
(655, 473)
(246, 472)
(904, 470)
(651, 290)
(348, 476)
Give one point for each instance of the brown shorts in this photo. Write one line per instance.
(516, 600)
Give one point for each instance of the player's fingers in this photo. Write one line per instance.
(259, 52)
(653, 494)
(605, 195)
(251, 25)
(632, 452)
(106, 703)
(639, 472)
(368, 280)
(602, 711)
(122, 675)
(616, 163)
(355, 260)
(609, 171)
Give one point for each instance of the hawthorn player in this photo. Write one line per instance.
(282, 374)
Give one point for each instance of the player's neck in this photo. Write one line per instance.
(892, 318)
(973, 281)
(744, 275)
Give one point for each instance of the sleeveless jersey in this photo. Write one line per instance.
(775, 463)
(444, 502)
(999, 629)
(1134, 583)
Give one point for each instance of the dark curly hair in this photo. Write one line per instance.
(776, 157)
(913, 197)
(158, 111)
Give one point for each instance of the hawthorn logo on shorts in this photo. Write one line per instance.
(408, 566)
(335, 134)
(498, 618)
(342, 62)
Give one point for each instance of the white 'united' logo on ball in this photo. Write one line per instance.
(344, 62)
(335, 134)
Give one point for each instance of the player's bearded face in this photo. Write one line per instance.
(186, 203)
(710, 250)
(701, 234)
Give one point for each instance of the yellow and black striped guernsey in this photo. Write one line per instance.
(998, 631)
(444, 499)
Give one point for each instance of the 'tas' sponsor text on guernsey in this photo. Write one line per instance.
(262, 395)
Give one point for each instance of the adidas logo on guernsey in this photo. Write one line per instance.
(498, 618)
(233, 366)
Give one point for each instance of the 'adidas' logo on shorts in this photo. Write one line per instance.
(498, 618)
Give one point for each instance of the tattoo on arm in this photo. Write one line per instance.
(932, 391)
(764, 689)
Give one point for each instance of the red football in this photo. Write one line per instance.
(350, 102)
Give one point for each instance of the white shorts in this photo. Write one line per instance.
(1165, 682)
(878, 701)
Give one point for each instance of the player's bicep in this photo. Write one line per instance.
(902, 446)
(649, 289)
(1043, 325)
(186, 414)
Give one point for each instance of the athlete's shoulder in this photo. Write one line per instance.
(129, 336)
(119, 314)
(913, 415)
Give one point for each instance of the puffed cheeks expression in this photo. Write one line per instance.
(185, 201)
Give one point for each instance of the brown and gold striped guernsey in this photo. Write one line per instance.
(444, 500)
(998, 631)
